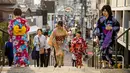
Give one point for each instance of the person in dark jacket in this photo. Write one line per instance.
(9, 51)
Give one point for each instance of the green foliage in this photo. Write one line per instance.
(3, 26)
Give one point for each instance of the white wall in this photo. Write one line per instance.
(126, 18)
(39, 21)
(93, 4)
(50, 22)
(118, 16)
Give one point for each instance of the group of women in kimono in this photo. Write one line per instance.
(106, 30)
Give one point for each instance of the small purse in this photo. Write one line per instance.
(41, 51)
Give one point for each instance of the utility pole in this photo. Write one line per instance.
(83, 15)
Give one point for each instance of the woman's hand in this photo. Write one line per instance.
(46, 51)
(108, 27)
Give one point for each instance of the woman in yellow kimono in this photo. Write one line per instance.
(57, 41)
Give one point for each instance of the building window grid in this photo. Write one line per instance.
(127, 3)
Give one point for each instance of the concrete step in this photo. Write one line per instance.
(115, 70)
(50, 69)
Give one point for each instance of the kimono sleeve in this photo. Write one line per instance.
(27, 26)
(10, 28)
(116, 26)
(72, 45)
(84, 45)
(96, 30)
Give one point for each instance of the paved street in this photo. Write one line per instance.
(50, 69)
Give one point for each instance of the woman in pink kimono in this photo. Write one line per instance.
(78, 47)
(17, 30)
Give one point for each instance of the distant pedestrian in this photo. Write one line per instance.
(9, 52)
(40, 42)
(78, 48)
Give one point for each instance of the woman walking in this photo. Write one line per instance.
(17, 30)
(78, 48)
(40, 42)
(106, 30)
(57, 40)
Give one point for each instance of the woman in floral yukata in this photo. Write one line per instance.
(78, 48)
(56, 40)
(106, 29)
(17, 30)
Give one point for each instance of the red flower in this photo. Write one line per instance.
(23, 21)
(21, 42)
(18, 37)
(17, 47)
(18, 54)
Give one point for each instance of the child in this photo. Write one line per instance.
(73, 60)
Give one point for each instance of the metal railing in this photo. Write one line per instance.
(3, 36)
(126, 51)
(95, 60)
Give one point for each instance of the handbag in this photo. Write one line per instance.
(41, 51)
(34, 54)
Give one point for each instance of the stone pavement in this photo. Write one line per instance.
(50, 69)
(115, 70)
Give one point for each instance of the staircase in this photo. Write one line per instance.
(50, 69)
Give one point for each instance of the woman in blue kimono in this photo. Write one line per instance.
(106, 30)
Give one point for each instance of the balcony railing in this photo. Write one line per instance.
(10, 2)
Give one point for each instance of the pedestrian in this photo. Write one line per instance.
(47, 51)
(78, 48)
(40, 43)
(17, 29)
(106, 29)
(9, 52)
(57, 39)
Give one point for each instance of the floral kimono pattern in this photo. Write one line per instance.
(78, 47)
(107, 37)
(17, 30)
